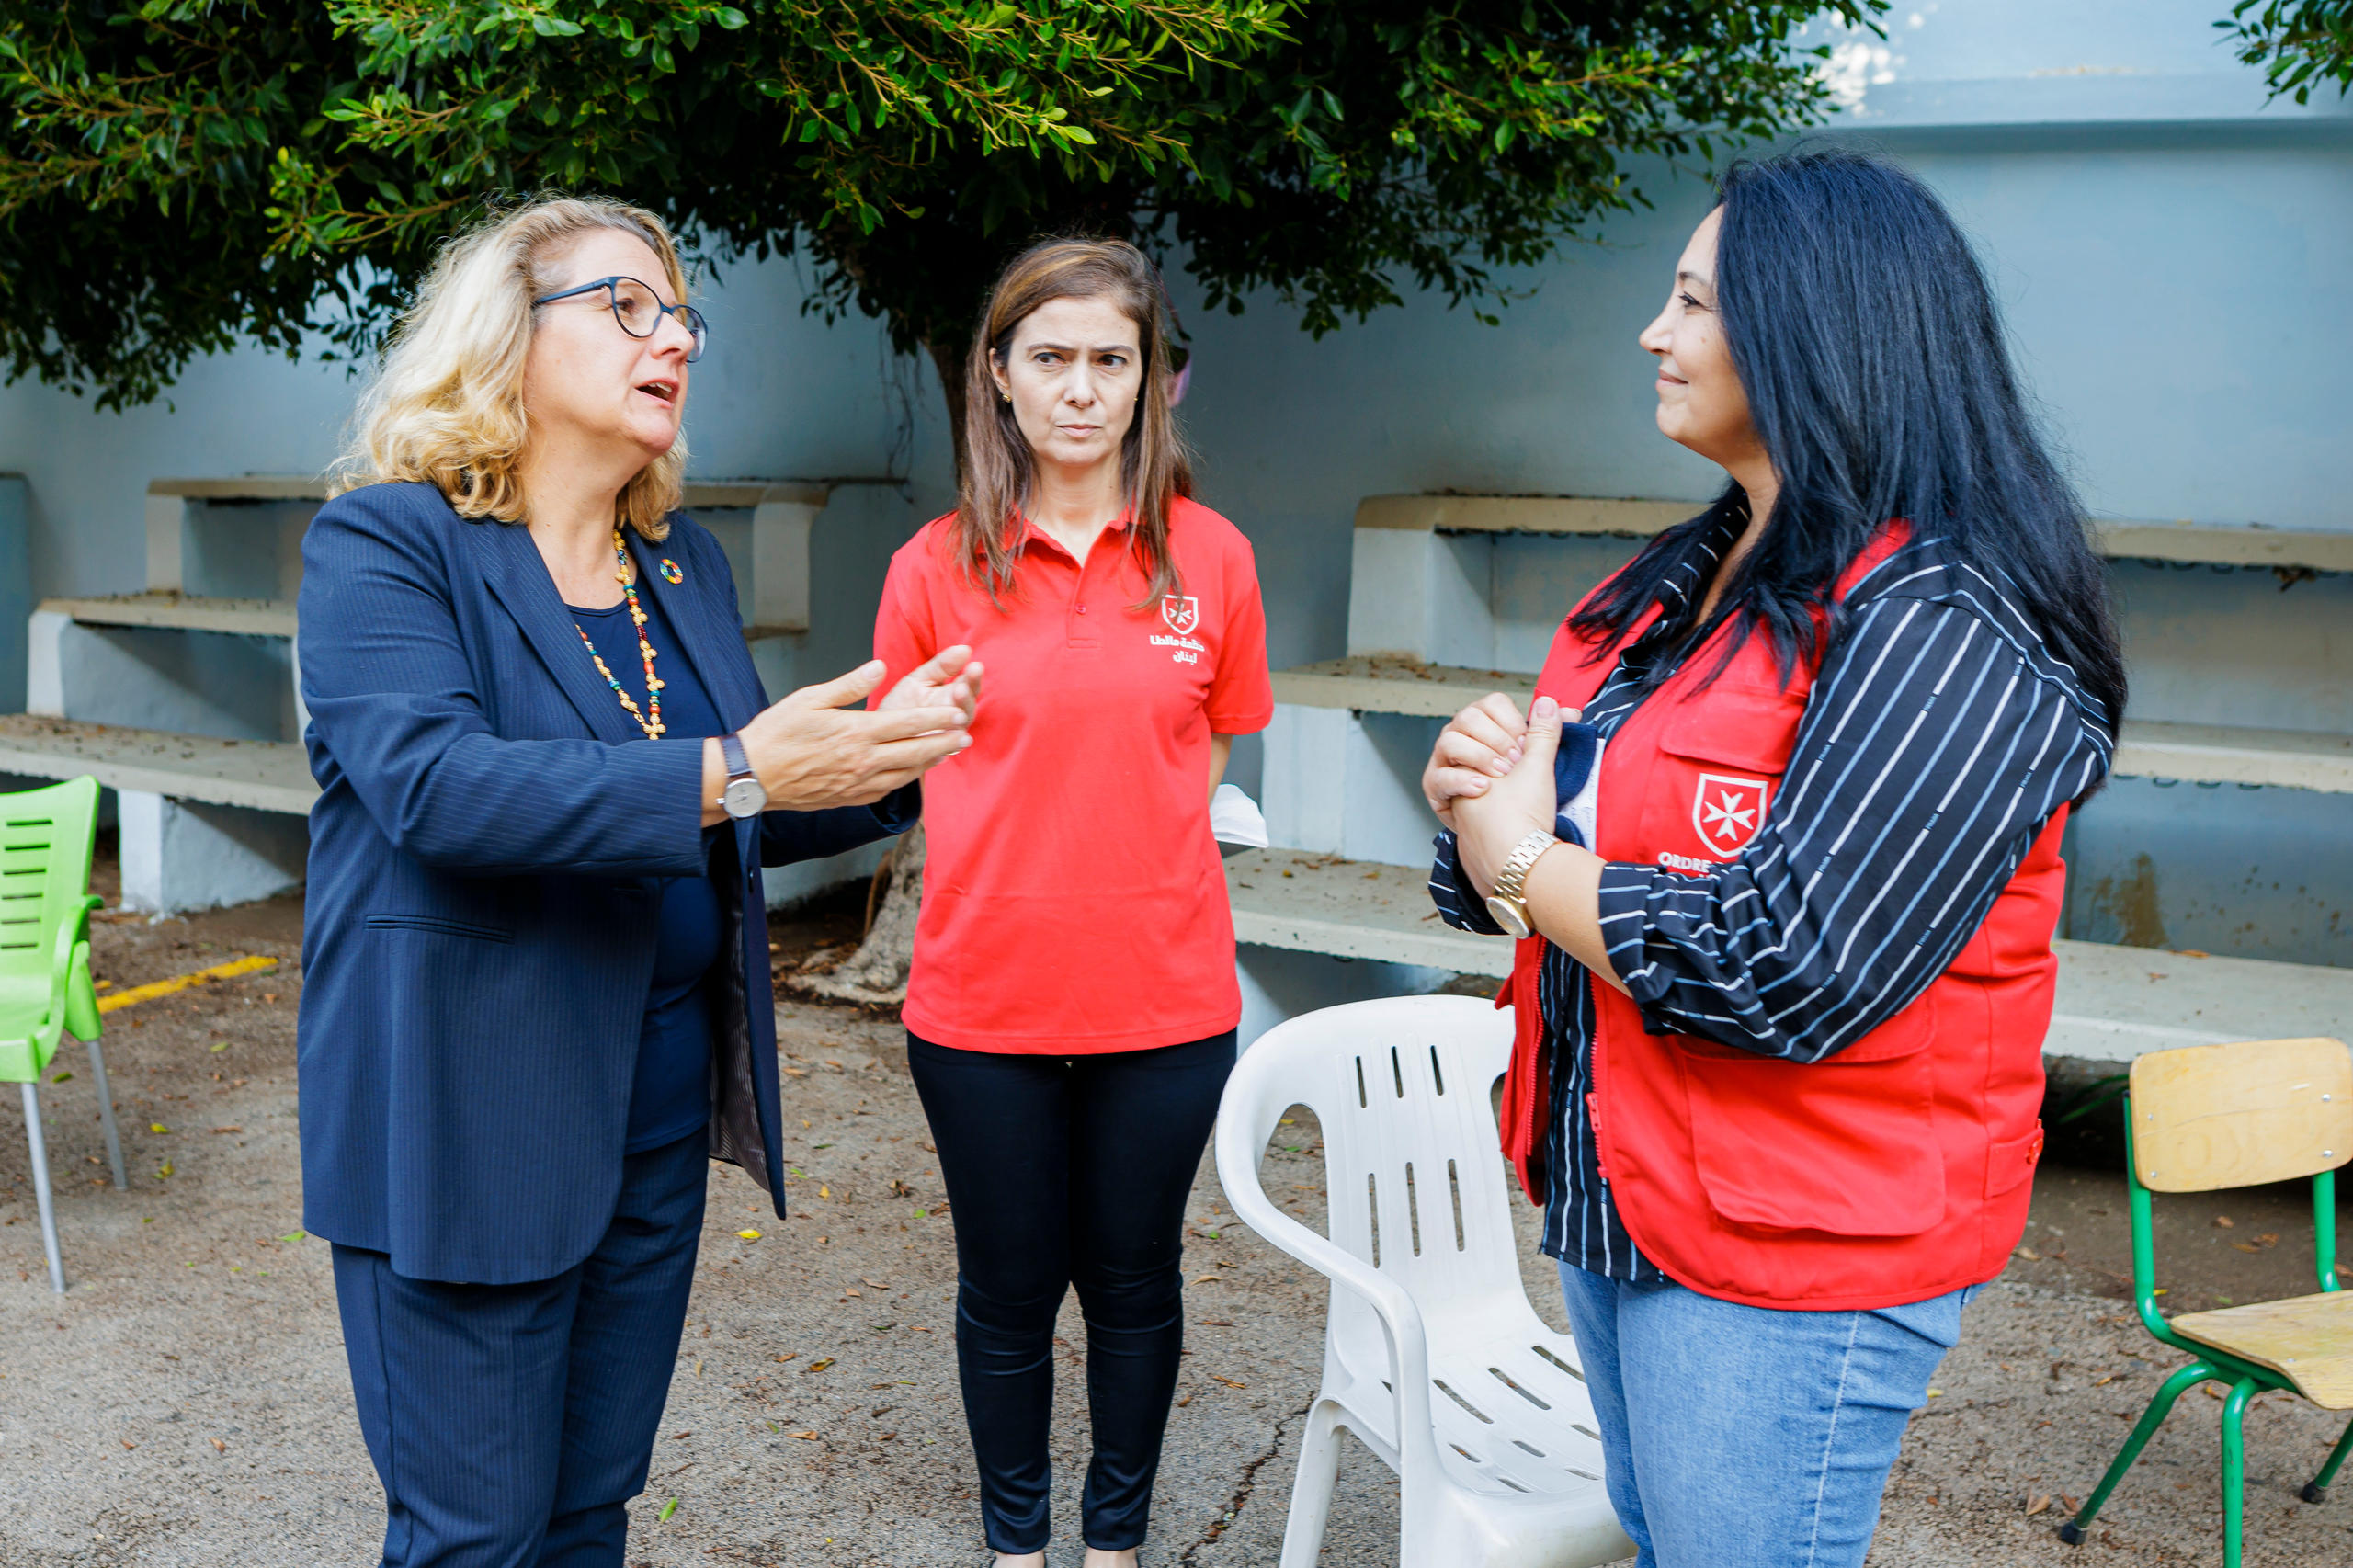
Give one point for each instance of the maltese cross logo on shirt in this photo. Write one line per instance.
(1181, 611)
(1727, 811)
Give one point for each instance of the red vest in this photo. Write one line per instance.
(1894, 1171)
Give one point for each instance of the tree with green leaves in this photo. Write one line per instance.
(2300, 44)
(188, 175)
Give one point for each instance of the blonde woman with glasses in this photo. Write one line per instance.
(536, 986)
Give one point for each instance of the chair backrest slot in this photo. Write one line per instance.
(1438, 1073)
(1372, 1208)
(1454, 1189)
(1397, 1071)
(1546, 1355)
(1412, 1209)
(1527, 1447)
(1505, 1377)
(1364, 1102)
(1448, 1389)
(2241, 1115)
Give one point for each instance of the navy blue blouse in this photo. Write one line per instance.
(670, 1096)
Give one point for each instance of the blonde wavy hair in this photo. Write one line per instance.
(446, 406)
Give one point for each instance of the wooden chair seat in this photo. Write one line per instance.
(2307, 1339)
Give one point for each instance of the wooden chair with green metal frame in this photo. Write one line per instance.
(45, 986)
(2210, 1117)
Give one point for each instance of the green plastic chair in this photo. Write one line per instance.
(45, 987)
(2211, 1117)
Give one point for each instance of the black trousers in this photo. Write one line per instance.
(1061, 1171)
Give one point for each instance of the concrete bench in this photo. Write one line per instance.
(203, 820)
(2114, 1002)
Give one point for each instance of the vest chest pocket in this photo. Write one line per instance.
(1845, 1147)
(1721, 753)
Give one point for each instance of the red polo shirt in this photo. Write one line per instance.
(1073, 898)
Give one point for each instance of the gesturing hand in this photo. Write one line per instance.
(816, 748)
(952, 679)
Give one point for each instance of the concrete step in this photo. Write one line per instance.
(2205, 754)
(2218, 544)
(2114, 1002)
(773, 573)
(265, 776)
(179, 612)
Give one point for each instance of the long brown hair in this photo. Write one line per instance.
(1000, 471)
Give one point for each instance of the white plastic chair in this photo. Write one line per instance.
(1432, 1355)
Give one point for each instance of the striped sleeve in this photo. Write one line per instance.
(1939, 739)
(1450, 890)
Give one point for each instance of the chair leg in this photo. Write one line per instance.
(2234, 1470)
(106, 1116)
(2317, 1489)
(2160, 1406)
(42, 1195)
(1311, 1493)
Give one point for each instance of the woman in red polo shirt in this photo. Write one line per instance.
(1071, 1006)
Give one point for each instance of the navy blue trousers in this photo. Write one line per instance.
(510, 1425)
(1061, 1171)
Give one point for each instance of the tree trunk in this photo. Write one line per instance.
(877, 973)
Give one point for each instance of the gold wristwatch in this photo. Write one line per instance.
(1507, 905)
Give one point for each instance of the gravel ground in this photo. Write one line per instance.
(185, 1401)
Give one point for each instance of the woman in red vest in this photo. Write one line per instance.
(1826, 733)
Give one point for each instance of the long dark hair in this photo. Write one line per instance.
(1879, 380)
(999, 469)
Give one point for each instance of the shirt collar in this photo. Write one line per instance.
(1029, 531)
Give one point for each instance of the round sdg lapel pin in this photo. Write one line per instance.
(670, 573)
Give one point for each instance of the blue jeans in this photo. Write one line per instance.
(512, 1424)
(1744, 1434)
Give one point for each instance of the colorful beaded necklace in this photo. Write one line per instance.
(650, 721)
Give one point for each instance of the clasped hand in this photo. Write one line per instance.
(1490, 780)
(817, 748)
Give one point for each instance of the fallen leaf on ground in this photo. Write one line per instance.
(2037, 1503)
(2030, 1255)
(127, 1444)
(787, 1356)
(806, 1436)
(749, 1236)
(2223, 1220)
(157, 1127)
(817, 1366)
(1229, 1382)
(218, 1446)
(228, 1129)
(667, 1509)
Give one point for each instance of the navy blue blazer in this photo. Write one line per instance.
(477, 945)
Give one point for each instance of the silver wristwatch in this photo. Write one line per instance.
(1507, 905)
(744, 796)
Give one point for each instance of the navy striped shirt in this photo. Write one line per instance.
(1939, 737)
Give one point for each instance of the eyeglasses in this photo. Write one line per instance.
(640, 309)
